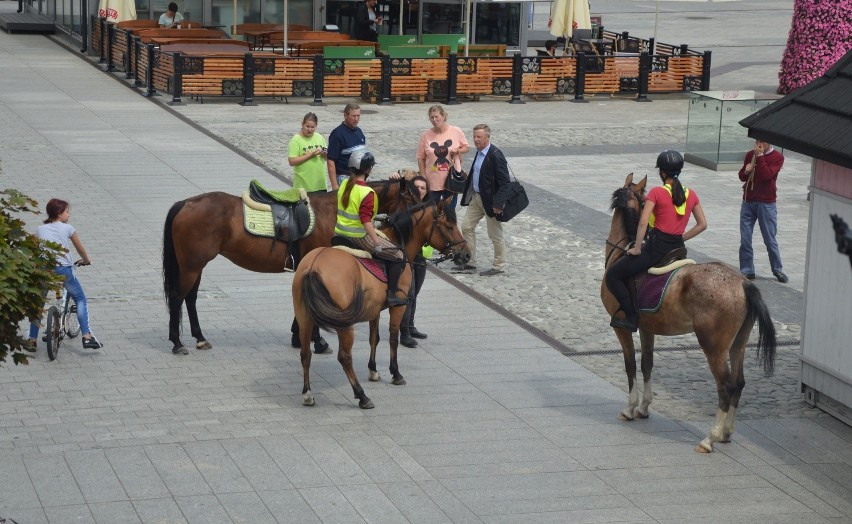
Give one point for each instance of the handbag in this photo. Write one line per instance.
(516, 202)
(456, 180)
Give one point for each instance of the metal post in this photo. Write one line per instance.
(128, 73)
(705, 71)
(248, 81)
(84, 25)
(452, 79)
(385, 83)
(137, 50)
(177, 87)
(652, 44)
(318, 80)
(110, 31)
(684, 49)
(149, 74)
(517, 79)
(581, 78)
(102, 46)
(644, 68)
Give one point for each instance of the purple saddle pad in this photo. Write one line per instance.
(653, 289)
(375, 268)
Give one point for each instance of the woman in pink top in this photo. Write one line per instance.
(440, 147)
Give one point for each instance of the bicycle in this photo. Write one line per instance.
(61, 321)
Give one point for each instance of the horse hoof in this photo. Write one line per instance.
(625, 417)
(704, 448)
(726, 439)
(308, 400)
(180, 350)
(203, 344)
(366, 404)
(398, 381)
(374, 376)
(640, 413)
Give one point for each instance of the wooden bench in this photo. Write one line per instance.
(138, 24)
(235, 44)
(146, 35)
(679, 67)
(348, 81)
(481, 81)
(415, 87)
(551, 71)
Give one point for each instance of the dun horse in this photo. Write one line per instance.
(713, 300)
(202, 227)
(332, 290)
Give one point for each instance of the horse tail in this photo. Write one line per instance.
(757, 310)
(171, 269)
(322, 308)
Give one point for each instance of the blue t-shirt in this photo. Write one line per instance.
(342, 142)
(61, 233)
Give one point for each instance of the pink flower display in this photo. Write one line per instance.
(820, 35)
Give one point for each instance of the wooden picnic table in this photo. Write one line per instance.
(188, 47)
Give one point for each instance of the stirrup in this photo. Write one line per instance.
(393, 300)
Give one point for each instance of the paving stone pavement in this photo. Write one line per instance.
(495, 425)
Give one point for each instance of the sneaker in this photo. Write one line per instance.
(416, 334)
(91, 343)
(781, 276)
(30, 345)
(491, 272)
(321, 347)
(294, 340)
(749, 276)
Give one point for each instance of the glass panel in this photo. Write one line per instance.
(341, 13)
(300, 12)
(443, 17)
(498, 23)
(733, 138)
(223, 12)
(702, 129)
(143, 10)
(190, 9)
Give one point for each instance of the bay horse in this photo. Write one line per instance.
(202, 227)
(332, 290)
(712, 300)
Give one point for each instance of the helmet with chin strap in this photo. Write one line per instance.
(670, 161)
(361, 161)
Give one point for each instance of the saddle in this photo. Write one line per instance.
(292, 216)
(649, 287)
(376, 266)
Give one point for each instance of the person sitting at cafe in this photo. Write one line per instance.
(171, 18)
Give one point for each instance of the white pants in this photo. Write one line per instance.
(475, 213)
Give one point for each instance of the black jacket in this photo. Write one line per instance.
(362, 27)
(493, 181)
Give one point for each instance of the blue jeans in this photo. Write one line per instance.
(76, 291)
(767, 216)
(341, 178)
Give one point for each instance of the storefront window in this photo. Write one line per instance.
(498, 23)
(443, 17)
(248, 11)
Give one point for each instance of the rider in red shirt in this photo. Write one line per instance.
(667, 210)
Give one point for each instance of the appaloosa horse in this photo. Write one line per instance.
(713, 300)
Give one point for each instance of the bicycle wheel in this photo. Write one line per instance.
(72, 323)
(54, 333)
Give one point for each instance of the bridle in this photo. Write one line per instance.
(447, 252)
(617, 245)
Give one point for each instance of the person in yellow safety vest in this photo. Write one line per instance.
(357, 205)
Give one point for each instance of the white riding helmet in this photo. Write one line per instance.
(361, 160)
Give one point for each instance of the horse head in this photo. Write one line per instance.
(441, 232)
(628, 200)
(395, 195)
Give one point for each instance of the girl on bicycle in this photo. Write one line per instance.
(57, 229)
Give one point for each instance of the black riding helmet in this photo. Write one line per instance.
(670, 161)
(362, 160)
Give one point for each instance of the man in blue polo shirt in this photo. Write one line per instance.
(342, 142)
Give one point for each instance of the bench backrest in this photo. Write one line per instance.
(413, 51)
(320, 36)
(386, 41)
(138, 24)
(179, 33)
(453, 41)
(236, 44)
(349, 52)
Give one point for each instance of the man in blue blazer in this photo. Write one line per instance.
(485, 194)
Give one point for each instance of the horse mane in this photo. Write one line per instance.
(404, 197)
(403, 220)
(630, 216)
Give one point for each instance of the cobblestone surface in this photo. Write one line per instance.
(570, 164)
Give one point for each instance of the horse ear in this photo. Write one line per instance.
(628, 180)
(642, 183)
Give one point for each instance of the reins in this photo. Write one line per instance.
(617, 245)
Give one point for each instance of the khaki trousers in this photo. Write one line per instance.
(475, 213)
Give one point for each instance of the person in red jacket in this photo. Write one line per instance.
(759, 175)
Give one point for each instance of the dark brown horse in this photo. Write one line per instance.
(200, 228)
(713, 300)
(332, 290)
